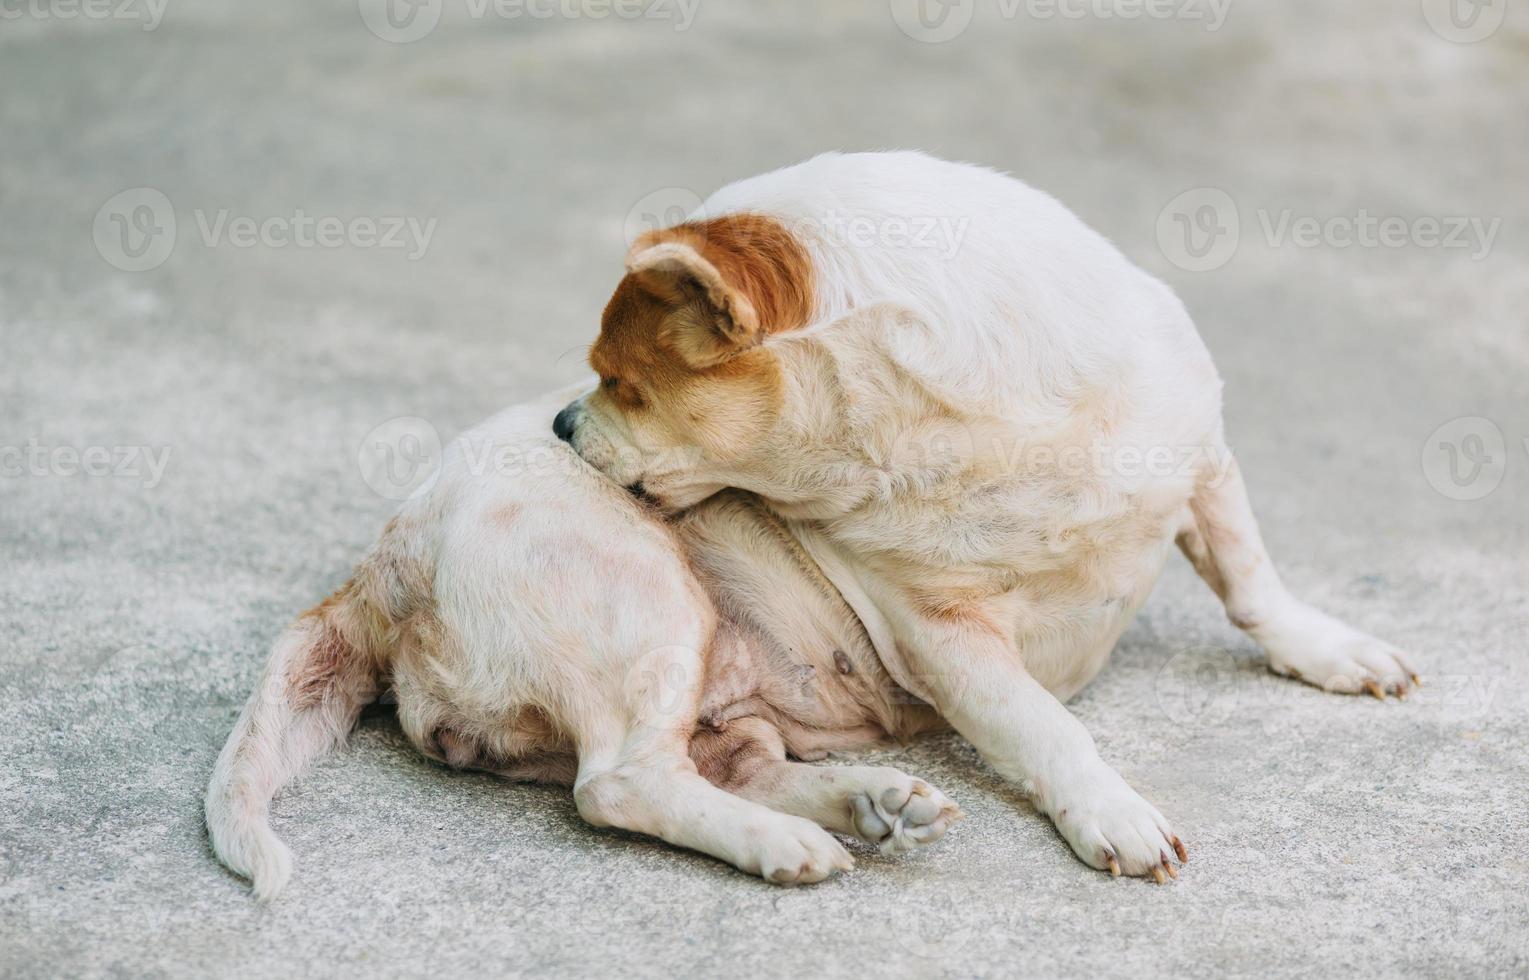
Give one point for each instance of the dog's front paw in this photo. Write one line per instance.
(1311, 646)
(793, 851)
(906, 814)
(1113, 829)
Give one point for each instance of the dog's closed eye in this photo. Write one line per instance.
(624, 392)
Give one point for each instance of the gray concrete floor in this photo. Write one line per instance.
(1329, 836)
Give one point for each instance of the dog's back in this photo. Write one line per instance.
(968, 248)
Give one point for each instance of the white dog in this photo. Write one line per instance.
(534, 619)
(985, 425)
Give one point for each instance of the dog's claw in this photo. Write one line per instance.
(1168, 867)
(1374, 689)
(1112, 864)
(1180, 850)
(1157, 874)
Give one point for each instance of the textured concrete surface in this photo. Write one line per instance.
(1329, 836)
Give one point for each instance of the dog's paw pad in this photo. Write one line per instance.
(901, 817)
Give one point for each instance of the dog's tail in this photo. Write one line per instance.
(324, 668)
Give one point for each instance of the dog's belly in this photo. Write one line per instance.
(788, 648)
(824, 691)
(1066, 639)
(1065, 590)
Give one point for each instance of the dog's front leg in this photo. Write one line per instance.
(976, 679)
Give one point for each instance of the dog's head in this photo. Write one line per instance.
(688, 389)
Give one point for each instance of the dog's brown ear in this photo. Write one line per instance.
(711, 320)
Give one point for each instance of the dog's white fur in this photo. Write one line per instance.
(916, 449)
(532, 618)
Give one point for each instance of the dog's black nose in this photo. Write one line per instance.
(562, 425)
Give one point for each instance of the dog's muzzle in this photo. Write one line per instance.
(563, 424)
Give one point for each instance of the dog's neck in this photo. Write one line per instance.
(860, 430)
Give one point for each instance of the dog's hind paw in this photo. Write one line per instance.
(1309, 645)
(900, 817)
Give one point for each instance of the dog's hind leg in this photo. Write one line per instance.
(1222, 541)
(878, 804)
(660, 793)
(639, 777)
